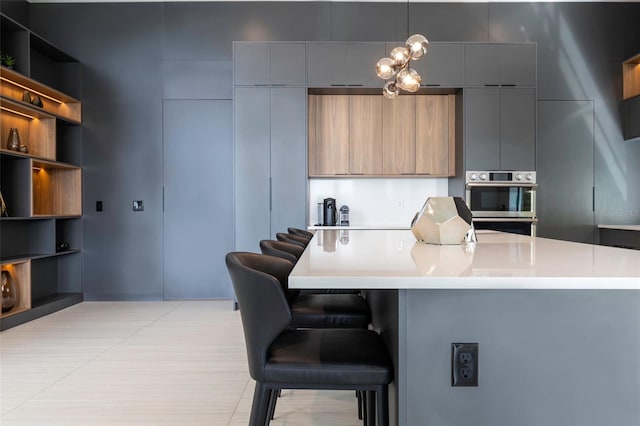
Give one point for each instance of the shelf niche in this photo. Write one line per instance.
(56, 189)
(37, 130)
(21, 274)
(631, 77)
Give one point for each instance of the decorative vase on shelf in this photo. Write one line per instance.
(9, 292)
(13, 143)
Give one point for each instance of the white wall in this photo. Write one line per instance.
(388, 202)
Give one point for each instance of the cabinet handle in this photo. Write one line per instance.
(593, 198)
(338, 85)
(270, 195)
(431, 85)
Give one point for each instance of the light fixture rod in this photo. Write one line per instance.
(17, 112)
(31, 90)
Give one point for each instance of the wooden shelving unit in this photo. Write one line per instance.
(42, 187)
(631, 77)
(631, 97)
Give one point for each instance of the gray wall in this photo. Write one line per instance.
(137, 55)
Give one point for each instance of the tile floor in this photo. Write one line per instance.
(143, 363)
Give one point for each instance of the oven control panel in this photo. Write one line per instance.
(494, 176)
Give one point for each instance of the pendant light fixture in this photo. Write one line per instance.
(397, 65)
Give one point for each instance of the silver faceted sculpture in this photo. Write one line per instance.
(443, 220)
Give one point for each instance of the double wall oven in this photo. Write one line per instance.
(503, 200)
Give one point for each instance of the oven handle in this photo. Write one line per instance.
(501, 184)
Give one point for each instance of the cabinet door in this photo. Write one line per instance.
(326, 64)
(288, 158)
(441, 65)
(565, 172)
(365, 134)
(481, 64)
(251, 130)
(517, 129)
(435, 135)
(399, 135)
(518, 64)
(361, 63)
(288, 64)
(482, 128)
(250, 64)
(329, 152)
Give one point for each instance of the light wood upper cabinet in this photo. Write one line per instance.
(435, 135)
(365, 135)
(399, 135)
(368, 135)
(329, 136)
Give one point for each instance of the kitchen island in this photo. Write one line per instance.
(557, 323)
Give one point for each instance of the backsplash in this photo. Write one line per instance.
(379, 201)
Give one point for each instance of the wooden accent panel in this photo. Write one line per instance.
(311, 138)
(57, 190)
(399, 135)
(331, 138)
(631, 77)
(14, 84)
(21, 275)
(365, 134)
(435, 135)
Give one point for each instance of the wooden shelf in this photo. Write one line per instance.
(21, 274)
(631, 77)
(57, 189)
(13, 85)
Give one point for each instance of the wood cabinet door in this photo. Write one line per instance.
(365, 134)
(399, 135)
(435, 135)
(329, 144)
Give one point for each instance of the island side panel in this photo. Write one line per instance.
(388, 308)
(553, 358)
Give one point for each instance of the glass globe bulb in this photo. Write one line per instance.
(417, 46)
(400, 55)
(390, 90)
(385, 68)
(409, 80)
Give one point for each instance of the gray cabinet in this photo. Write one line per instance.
(441, 65)
(252, 169)
(270, 162)
(288, 158)
(361, 63)
(499, 126)
(343, 64)
(288, 64)
(565, 171)
(326, 64)
(264, 64)
(250, 64)
(493, 64)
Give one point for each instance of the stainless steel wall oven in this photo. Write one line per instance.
(503, 200)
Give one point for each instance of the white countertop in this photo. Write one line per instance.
(621, 227)
(393, 259)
